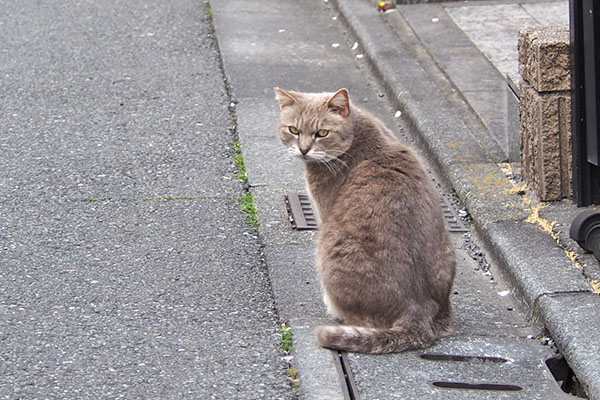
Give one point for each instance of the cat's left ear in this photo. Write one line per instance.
(340, 102)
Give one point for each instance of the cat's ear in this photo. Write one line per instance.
(285, 98)
(340, 102)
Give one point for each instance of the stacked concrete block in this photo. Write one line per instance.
(546, 110)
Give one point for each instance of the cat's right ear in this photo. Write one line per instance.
(285, 98)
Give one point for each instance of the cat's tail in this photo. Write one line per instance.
(409, 336)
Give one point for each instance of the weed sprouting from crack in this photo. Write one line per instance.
(285, 343)
(248, 205)
(287, 338)
(238, 161)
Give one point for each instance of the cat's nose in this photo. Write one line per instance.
(304, 151)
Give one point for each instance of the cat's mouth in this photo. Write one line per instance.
(312, 156)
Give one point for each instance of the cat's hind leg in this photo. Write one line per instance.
(331, 308)
(444, 321)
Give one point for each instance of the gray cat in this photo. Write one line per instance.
(384, 257)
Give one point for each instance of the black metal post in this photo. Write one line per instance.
(585, 83)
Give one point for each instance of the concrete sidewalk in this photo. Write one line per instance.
(555, 278)
(393, 62)
(467, 51)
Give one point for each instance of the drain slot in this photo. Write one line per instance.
(466, 385)
(459, 358)
(478, 386)
(453, 221)
(303, 217)
(300, 210)
(342, 365)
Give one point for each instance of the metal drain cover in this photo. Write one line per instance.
(303, 217)
(300, 210)
(453, 222)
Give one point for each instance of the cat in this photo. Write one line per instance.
(384, 256)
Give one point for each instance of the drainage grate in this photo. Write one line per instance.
(342, 365)
(453, 222)
(300, 210)
(303, 217)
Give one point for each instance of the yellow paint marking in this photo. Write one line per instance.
(549, 227)
(596, 285)
(517, 189)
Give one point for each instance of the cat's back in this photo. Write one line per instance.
(394, 172)
(388, 191)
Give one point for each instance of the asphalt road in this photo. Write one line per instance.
(127, 269)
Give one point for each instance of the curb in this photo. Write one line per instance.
(545, 278)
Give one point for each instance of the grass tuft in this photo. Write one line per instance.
(248, 205)
(287, 338)
(238, 161)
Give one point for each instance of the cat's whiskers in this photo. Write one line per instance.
(331, 166)
(321, 158)
(345, 153)
(328, 165)
(282, 154)
(334, 158)
(334, 163)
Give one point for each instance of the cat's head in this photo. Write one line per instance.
(315, 127)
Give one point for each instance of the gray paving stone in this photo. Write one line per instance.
(549, 13)
(484, 306)
(318, 377)
(296, 287)
(467, 15)
(408, 376)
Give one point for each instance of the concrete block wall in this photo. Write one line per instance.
(546, 155)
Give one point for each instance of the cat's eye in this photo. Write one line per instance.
(322, 132)
(293, 130)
